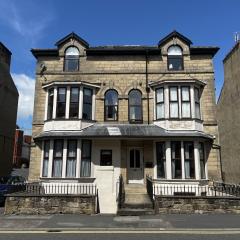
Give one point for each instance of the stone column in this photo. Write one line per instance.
(197, 160)
(64, 163)
(168, 160)
(55, 102)
(50, 163)
(67, 102)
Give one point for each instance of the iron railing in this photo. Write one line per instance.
(56, 188)
(120, 192)
(150, 187)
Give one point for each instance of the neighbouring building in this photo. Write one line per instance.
(228, 114)
(22, 145)
(8, 108)
(105, 111)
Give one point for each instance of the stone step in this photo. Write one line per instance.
(138, 205)
(135, 212)
(137, 198)
(135, 188)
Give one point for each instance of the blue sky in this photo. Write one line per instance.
(39, 24)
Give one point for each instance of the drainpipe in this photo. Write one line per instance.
(147, 87)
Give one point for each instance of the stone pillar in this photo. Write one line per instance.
(168, 160)
(197, 161)
(50, 163)
(64, 163)
(67, 102)
(183, 160)
(55, 102)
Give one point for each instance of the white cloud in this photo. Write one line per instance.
(26, 87)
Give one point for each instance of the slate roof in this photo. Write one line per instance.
(125, 131)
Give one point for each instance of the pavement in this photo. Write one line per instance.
(88, 223)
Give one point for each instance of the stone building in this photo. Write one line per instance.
(8, 108)
(228, 114)
(131, 110)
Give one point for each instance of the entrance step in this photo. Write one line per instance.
(137, 201)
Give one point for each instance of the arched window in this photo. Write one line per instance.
(71, 62)
(175, 58)
(111, 106)
(135, 106)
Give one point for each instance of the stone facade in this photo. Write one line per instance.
(126, 68)
(66, 204)
(8, 108)
(200, 205)
(228, 112)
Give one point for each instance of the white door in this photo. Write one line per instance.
(135, 165)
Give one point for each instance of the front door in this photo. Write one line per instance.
(135, 165)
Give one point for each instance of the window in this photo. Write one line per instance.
(71, 158)
(71, 62)
(57, 158)
(135, 106)
(106, 158)
(87, 103)
(186, 102)
(86, 159)
(50, 103)
(45, 158)
(111, 105)
(160, 103)
(173, 102)
(161, 160)
(189, 160)
(175, 58)
(61, 102)
(202, 160)
(74, 103)
(197, 103)
(176, 160)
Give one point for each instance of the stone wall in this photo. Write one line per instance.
(67, 204)
(189, 205)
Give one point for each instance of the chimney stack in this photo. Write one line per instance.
(5, 55)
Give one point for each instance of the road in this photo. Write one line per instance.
(109, 236)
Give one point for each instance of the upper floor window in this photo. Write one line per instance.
(175, 58)
(197, 103)
(111, 105)
(61, 102)
(160, 103)
(50, 103)
(135, 106)
(173, 102)
(87, 103)
(186, 102)
(74, 103)
(71, 62)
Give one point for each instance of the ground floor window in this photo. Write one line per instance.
(176, 160)
(202, 160)
(161, 159)
(189, 164)
(57, 158)
(106, 158)
(86, 159)
(71, 158)
(45, 158)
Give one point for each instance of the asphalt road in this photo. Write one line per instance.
(109, 236)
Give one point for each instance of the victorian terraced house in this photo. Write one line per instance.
(105, 111)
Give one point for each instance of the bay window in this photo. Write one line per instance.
(111, 106)
(189, 160)
(185, 102)
(135, 106)
(160, 103)
(71, 158)
(86, 159)
(74, 103)
(57, 158)
(87, 104)
(61, 102)
(173, 102)
(176, 160)
(45, 158)
(161, 159)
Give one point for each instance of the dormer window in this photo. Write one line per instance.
(175, 58)
(71, 63)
